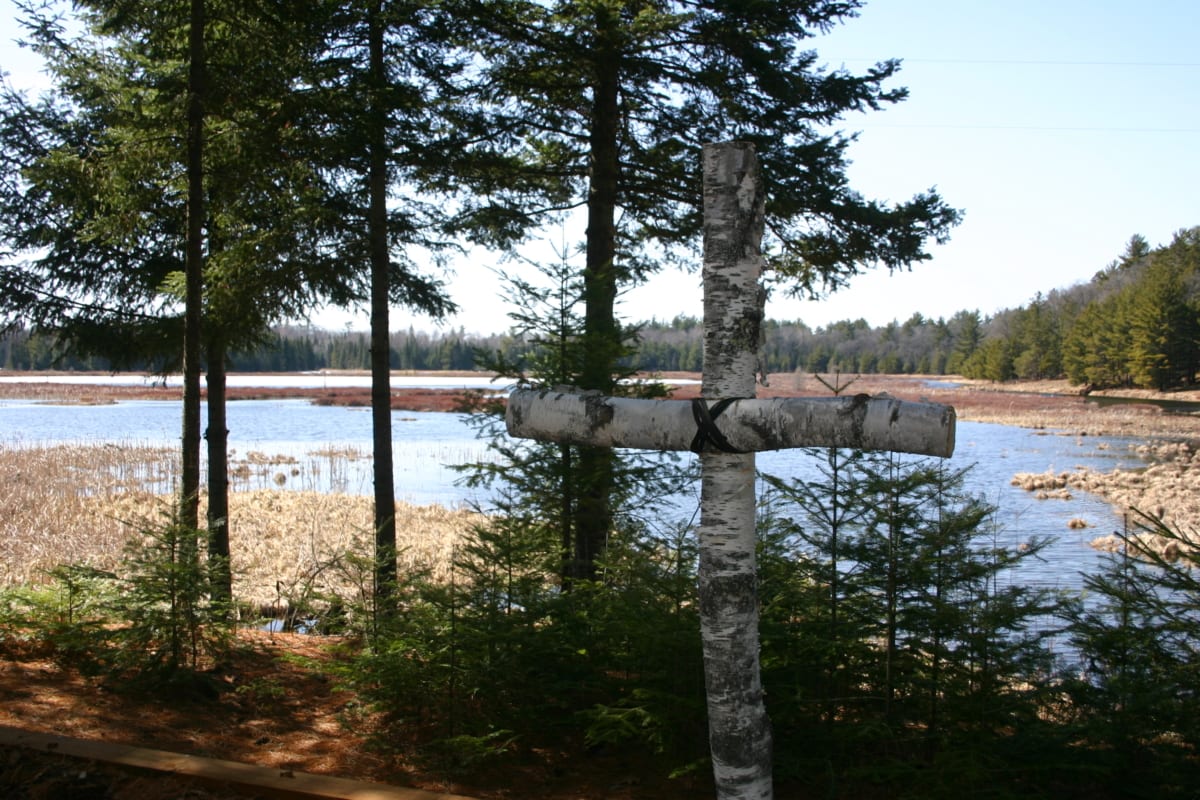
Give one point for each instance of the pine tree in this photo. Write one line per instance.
(966, 328)
(1137, 639)
(890, 637)
(604, 106)
(539, 480)
(1159, 317)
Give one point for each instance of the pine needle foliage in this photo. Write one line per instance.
(172, 624)
(529, 634)
(1137, 637)
(895, 651)
(151, 622)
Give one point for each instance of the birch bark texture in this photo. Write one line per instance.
(739, 731)
(566, 415)
(726, 426)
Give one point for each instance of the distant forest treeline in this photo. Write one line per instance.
(919, 345)
(1135, 323)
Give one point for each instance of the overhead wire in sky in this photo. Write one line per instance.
(1035, 62)
(1065, 128)
(1032, 62)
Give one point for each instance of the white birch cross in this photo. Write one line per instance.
(726, 426)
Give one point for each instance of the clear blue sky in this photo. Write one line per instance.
(1060, 128)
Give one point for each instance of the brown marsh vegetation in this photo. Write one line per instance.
(80, 504)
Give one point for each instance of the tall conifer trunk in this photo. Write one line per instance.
(189, 489)
(602, 335)
(217, 436)
(381, 389)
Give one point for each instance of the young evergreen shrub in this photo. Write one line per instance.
(511, 663)
(816, 653)
(538, 637)
(357, 612)
(500, 654)
(403, 669)
(170, 627)
(71, 616)
(466, 755)
(892, 653)
(476, 653)
(1134, 690)
(644, 641)
(154, 620)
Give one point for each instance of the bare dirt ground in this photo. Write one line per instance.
(281, 708)
(274, 713)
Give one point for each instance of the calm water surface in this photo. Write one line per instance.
(290, 444)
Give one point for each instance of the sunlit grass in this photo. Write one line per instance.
(80, 504)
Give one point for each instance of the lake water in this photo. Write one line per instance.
(295, 444)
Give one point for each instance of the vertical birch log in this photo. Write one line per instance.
(739, 731)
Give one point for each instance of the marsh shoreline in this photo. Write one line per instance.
(1169, 486)
(1051, 404)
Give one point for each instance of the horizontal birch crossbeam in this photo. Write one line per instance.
(745, 425)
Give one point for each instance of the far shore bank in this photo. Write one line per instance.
(1054, 405)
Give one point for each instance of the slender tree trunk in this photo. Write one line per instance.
(562, 374)
(217, 435)
(381, 389)
(739, 731)
(891, 593)
(835, 656)
(601, 333)
(189, 490)
(936, 666)
(566, 519)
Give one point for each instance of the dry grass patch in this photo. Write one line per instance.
(1041, 481)
(81, 504)
(54, 503)
(1167, 488)
(291, 546)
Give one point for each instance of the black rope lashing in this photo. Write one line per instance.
(706, 427)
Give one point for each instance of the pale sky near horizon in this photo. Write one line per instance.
(1060, 127)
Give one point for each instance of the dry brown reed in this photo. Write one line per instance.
(80, 504)
(1042, 482)
(1167, 488)
(78, 394)
(51, 497)
(290, 548)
